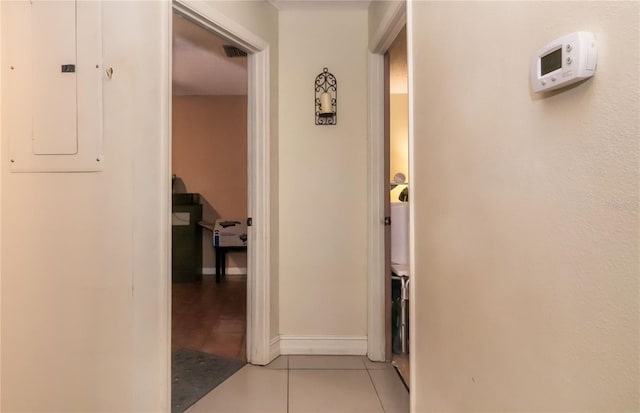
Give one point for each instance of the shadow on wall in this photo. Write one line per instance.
(177, 185)
(209, 213)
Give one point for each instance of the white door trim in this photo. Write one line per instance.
(1, 203)
(258, 253)
(388, 29)
(376, 247)
(390, 25)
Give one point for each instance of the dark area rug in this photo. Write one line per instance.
(194, 374)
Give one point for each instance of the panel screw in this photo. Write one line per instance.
(97, 66)
(12, 67)
(12, 161)
(97, 159)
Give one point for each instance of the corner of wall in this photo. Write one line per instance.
(1, 176)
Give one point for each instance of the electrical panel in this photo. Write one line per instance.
(52, 77)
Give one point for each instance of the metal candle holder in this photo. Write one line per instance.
(326, 98)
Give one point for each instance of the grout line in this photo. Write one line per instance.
(323, 369)
(288, 378)
(397, 369)
(376, 390)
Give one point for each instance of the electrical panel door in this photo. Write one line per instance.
(53, 85)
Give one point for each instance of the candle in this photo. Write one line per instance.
(325, 103)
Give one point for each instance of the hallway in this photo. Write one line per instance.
(294, 384)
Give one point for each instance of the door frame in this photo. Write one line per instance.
(258, 249)
(390, 26)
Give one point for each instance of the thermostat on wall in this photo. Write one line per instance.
(564, 61)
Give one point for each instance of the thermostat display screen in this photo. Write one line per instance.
(551, 62)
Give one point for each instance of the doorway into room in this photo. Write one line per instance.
(397, 203)
(209, 186)
(257, 291)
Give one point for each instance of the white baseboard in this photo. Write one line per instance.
(228, 271)
(274, 348)
(332, 345)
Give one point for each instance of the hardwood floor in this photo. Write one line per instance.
(210, 317)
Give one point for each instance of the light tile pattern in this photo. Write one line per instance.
(251, 389)
(326, 363)
(347, 391)
(310, 384)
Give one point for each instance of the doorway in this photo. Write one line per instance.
(209, 186)
(397, 165)
(258, 264)
(379, 320)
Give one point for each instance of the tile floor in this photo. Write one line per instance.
(318, 384)
(401, 361)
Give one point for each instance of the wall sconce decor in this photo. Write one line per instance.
(326, 98)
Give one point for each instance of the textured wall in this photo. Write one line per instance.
(84, 279)
(323, 289)
(82, 285)
(526, 211)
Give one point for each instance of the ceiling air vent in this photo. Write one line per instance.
(232, 51)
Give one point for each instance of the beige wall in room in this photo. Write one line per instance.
(323, 173)
(210, 157)
(399, 128)
(261, 18)
(526, 212)
(83, 288)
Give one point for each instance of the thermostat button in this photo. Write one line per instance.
(569, 60)
(553, 78)
(569, 48)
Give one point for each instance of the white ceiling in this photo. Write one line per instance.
(200, 66)
(319, 4)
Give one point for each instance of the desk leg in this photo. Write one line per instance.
(218, 253)
(223, 261)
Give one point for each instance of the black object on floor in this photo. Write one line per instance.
(194, 374)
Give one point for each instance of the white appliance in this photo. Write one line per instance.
(400, 238)
(400, 265)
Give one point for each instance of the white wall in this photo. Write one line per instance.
(85, 277)
(323, 172)
(84, 317)
(526, 212)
